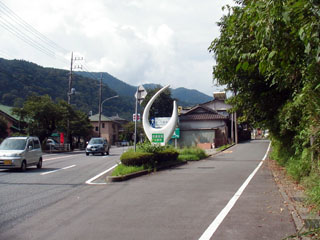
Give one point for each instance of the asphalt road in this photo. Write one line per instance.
(181, 203)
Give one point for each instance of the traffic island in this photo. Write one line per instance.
(144, 172)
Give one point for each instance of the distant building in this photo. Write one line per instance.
(12, 120)
(110, 127)
(206, 125)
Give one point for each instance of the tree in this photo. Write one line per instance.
(268, 53)
(44, 117)
(41, 115)
(162, 106)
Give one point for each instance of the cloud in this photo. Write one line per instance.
(137, 41)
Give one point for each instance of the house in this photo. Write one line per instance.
(12, 120)
(110, 127)
(206, 125)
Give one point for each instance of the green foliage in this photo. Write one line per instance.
(268, 53)
(224, 147)
(131, 158)
(191, 154)
(21, 79)
(43, 117)
(122, 170)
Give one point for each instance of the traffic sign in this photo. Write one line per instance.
(134, 117)
(176, 133)
(141, 93)
(157, 137)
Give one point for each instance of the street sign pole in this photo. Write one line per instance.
(140, 95)
(135, 122)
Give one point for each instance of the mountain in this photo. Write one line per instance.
(20, 79)
(184, 96)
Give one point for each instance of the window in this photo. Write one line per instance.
(36, 144)
(97, 129)
(102, 125)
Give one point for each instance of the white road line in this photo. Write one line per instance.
(45, 173)
(90, 181)
(57, 158)
(218, 220)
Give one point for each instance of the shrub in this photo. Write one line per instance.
(166, 155)
(131, 158)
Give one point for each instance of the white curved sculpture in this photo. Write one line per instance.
(168, 129)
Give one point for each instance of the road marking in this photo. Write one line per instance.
(57, 158)
(218, 220)
(45, 173)
(90, 181)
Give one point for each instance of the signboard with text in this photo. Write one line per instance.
(157, 137)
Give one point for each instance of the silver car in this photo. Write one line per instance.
(20, 152)
(98, 145)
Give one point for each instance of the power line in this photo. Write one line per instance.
(27, 27)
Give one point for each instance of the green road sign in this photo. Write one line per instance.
(157, 137)
(176, 133)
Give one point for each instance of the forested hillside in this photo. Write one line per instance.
(20, 79)
(184, 96)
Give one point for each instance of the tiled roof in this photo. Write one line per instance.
(8, 110)
(95, 118)
(203, 116)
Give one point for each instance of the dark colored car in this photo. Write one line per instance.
(98, 145)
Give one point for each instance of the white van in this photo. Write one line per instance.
(20, 152)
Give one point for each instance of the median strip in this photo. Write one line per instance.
(45, 173)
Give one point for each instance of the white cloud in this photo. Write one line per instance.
(137, 41)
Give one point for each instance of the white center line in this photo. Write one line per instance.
(218, 220)
(45, 173)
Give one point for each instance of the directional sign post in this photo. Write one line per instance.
(141, 93)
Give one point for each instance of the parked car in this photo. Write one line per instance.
(98, 145)
(52, 144)
(20, 152)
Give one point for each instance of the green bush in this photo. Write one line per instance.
(131, 158)
(166, 155)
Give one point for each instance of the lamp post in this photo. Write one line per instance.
(100, 110)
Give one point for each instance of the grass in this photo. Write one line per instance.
(122, 170)
(224, 147)
(191, 154)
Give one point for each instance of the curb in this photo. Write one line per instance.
(141, 173)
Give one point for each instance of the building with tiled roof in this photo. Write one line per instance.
(206, 125)
(11, 119)
(109, 127)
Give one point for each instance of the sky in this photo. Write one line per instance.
(137, 41)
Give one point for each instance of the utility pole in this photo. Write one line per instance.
(100, 96)
(235, 123)
(70, 80)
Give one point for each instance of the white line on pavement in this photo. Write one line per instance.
(218, 220)
(90, 181)
(45, 173)
(50, 159)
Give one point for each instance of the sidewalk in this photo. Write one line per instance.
(294, 198)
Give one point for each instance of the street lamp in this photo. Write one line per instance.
(100, 110)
